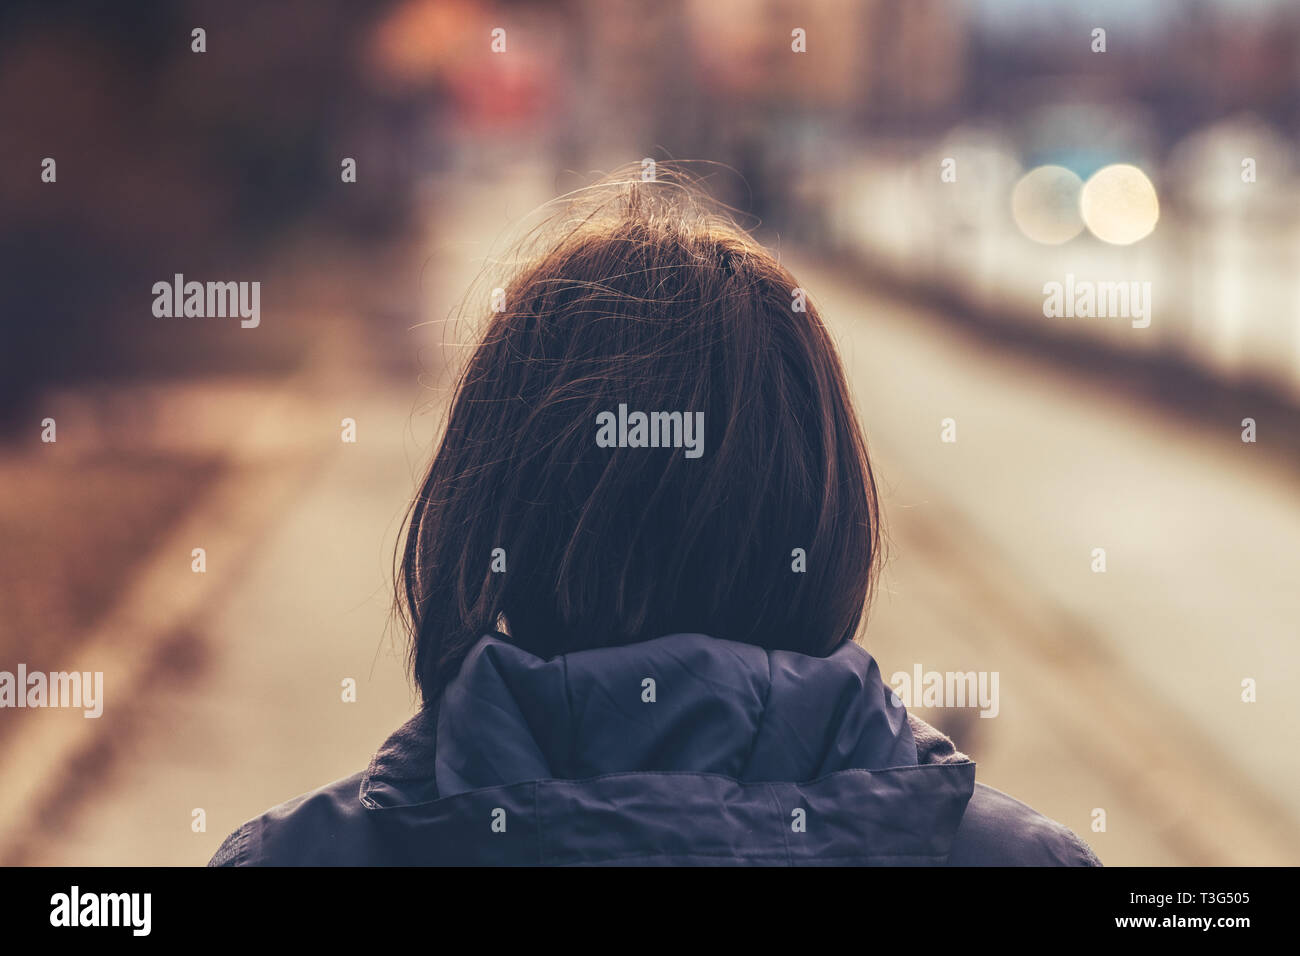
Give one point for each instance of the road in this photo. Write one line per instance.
(1121, 690)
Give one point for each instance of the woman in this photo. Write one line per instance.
(633, 576)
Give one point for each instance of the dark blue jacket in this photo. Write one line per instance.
(680, 750)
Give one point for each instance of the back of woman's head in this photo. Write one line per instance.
(614, 529)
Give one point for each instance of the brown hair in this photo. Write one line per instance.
(644, 297)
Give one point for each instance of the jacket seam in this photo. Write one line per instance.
(762, 716)
(780, 822)
(537, 822)
(930, 768)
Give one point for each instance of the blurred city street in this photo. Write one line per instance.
(1110, 695)
(929, 170)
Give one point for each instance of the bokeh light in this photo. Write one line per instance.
(1045, 204)
(1119, 204)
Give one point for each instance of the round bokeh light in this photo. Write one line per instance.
(1119, 204)
(1045, 204)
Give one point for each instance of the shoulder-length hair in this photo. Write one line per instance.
(643, 297)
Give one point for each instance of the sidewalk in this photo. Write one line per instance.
(263, 718)
(236, 689)
(1118, 692)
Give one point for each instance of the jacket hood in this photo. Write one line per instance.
(680, 748)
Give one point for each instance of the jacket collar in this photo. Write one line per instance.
(586, 770)
(401, 771)
(718, 707)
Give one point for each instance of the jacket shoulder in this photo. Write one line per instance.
(326, 827)
(998, 830)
